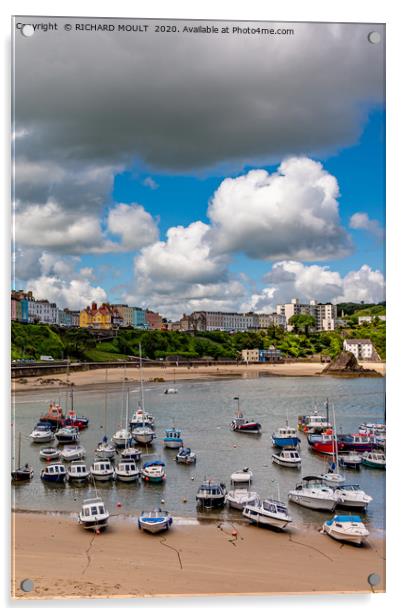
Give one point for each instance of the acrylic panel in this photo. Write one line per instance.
(198, 308)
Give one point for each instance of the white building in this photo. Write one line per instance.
(324, 314)
(361, 348)
(42, 311)
(250, 356)
(369, 319)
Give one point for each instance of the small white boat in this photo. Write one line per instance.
(240, 498)
(49, 453)
(171, 390)
(42, 433)
(154, 521)
(243, 476)
(350, 460)
(140, 418)
(352, 497)
(185, 456)
(93, 515)
(268, 512)
(105, 450)
(73, 452)
(122, 437)
(348, 528)
(78, 473)
(127, 472)
(130, 454)
(154, 471)
(143, 435)
(68, 435)
(332, 478)
(287, 457)
(313, 493)
(102, 470)
(374, 459)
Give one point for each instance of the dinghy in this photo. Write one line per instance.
(49, 453)
(154, 521)
(240, 498)
(242, 476)
(347, 528)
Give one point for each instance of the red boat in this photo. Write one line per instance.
(54, 415)
(240, 424)
(77, 422)
(325, 443)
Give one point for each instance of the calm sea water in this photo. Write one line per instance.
(203, 411)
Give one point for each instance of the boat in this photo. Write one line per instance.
(352, 497)
(140, 418)
(49, 453)
(288, 456)
(269, 512)
(105, 449)
(171, 390)
(325, 442)
(130, 454)
(313, 493)
(154, 471)
(123, 437)
(67, 435)
(127, 472)
(173, 439)
(372, 428)
(72, 418)
(102, 470)
(42, 433)
(54, 416)
(374, 459)
(93, 514)
(185, 456)
(348, 528)
(285, 437)
(21, 473)
(242, 476)
(78, 473)
(333, 476)
(350, 460)
(143, 433)
(211, 494)
(54, 473)
(356, 442)
(154, 521)
(314, 424)
(240, 498)
(72, 453)
(245, 426)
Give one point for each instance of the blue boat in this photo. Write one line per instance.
(154, 521)
(285, 437)
(173, 438)
(55, 473)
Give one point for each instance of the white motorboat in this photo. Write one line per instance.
(122, 437)
(240, 498)
(211, 494)
(313, 493)
(348, 528)
(105, 450)
(171, 390)
(352, 497)
(350, 460)
(127, 472)
(143, 435)
(49, 453)
(42, 433)
(185, 456)
(332, 478)
(242, 476)
(78, 473)
(154, 471)
(288, 457)
(140, 418)
(154, 521)
(269, 512)
(374, 459)
(130, 454)
(102, 470)
(94, 515)
(73, 452)
(68, 434)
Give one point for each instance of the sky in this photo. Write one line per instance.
(200, 172)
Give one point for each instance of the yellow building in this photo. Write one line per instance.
(104, 317)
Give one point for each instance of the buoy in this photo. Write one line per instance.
(97, 532)
(162, 501)
(185, 500)
(192, 478)
(118, 504)
(234, 445)
(235, 533)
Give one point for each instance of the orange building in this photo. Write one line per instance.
(102, 317)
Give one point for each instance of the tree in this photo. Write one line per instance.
(302, 322)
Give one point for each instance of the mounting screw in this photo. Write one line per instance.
(373, 579)
(27, 585)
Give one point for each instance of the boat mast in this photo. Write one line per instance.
(238, 406)
(19, 451)
(335, 448)
(106, 402)
(141, 381)
(127, 414)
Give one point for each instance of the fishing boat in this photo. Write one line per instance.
(374, 459)
(102, 470)
(21, 473)
(372, 428)
(241, 424)
(324, 443)
(72, 453)
(350, 460)
(42, 433)
(185, 456)
(352, 497)
(285, 437)
(130, 454)
(356, 442)
(54, 415)
(240, 498)
(315, 423)
(242, 476)
(93, 514)
(313, 493)
(127, 472)
(154, 471)
(143, 435)
(173, 439)
(49, 453)
(269, 512)
(72, 418)
(288, 457)
(55, 473)
(67, 435)
(211, 494)
(78, 473)
(154, 521)
(347, 528)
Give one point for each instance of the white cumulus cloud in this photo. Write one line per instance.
(361, 220)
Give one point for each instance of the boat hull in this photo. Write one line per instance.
(173, 443)
(95, 524)
(371, 464)
(53, 478)
(21, 475)
(285, 442)
(78, 478)
(127, 478)
(143, 439)
(46, 438)
(155, 526)
(102, 476)
(319, 504)
(264, 520)
(210, 502)
(355, 539)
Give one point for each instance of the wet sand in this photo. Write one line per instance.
(65, 561)
(93, 378)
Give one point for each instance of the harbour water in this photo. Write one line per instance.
(203, 411)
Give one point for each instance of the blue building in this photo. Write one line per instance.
(139, 318)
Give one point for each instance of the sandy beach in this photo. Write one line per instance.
(92, 378)
(65, 561)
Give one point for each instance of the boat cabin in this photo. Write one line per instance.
(55, 469)
(92, 507)
(101, 466)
